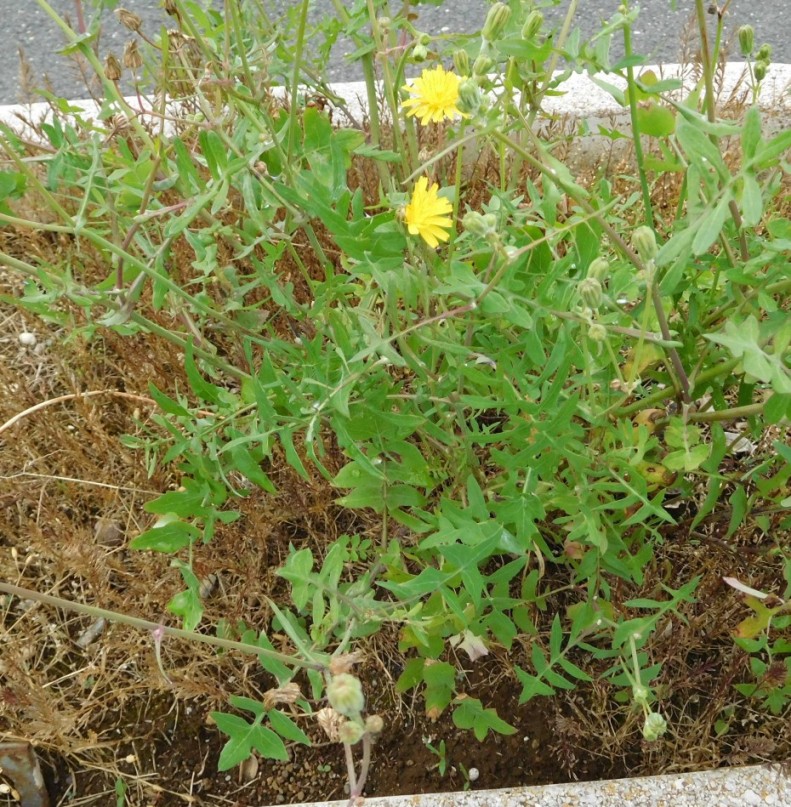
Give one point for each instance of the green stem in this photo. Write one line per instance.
(144, 624)
(300, 44)
(636, 137)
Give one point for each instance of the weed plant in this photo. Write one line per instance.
(516, 376)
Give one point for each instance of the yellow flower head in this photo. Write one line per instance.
(426, 214)
(434, 95)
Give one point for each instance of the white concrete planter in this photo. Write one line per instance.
(726, 787)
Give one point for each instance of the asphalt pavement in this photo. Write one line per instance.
(659, 32)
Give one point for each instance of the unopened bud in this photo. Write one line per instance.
(350, 732)
(424, 39)
(419, 53)
(374, 724)
(171, 8)
(482, 65)
(470, 98)
(644, 242)
(746, 35)
(132, 59)
(590, 291)
(597, 332)
(483, 225)
(128, 19)
(533, 23)
(764, 52)
(640, 693)
(461, 61)
(345, 694)
(599, 269)
(496, 20)
(760, 69)
(112, 68)
(654, 727)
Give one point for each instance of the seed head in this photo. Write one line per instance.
(112, 68)
(129, 19)
(132, 59)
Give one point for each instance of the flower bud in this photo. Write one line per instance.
(424, 39)
(496, 20)
(597, 332)
(374, 724)
(590, 291)
(764, 52)
(132, 59)
(112, 68)
(461, 61)
(419, 53)
(470, 98)
(171, 8)
(128, 19)
(599, 269)
(644, 242)
(640, 693)
(482, 65)
(350, 732)
(482, 225)
(654, 727)
(746, 35)
(345, 694)
(760, 70)
(533, 23)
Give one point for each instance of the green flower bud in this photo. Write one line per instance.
(599, 269)
(470, 97)
(475, 223)
(533, 23)
(764, 52)
(746, 36)
(424, 39)
(419, 53)
(482, 65)
(345, 694)
(374, 724)
(590, 291)
(461, 61)
(760, 70)
(640, 693)
(597, 332)
(644, 242)
(496, 20)
(350, 732)
(654, 727)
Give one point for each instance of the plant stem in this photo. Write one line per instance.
(636, 138)
(144, 624)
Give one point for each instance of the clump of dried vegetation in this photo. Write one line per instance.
(103, 369)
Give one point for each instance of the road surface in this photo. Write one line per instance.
(659, 32)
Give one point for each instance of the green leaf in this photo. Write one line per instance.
(751, 132)
(287, 728)
(202, 388)
(470, 714)
(752, 200)
(170, 538)
(655, 120)
(710, 227)
(244, 737)
(440, 680)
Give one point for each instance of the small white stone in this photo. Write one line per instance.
(473, 773)
(27, 339)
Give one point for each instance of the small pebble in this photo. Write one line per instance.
(27, 339)
(473, 774)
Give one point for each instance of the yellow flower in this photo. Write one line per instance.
(426, 214)
(434, 95)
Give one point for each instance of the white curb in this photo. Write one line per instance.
(726, 787)
(581, 99)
